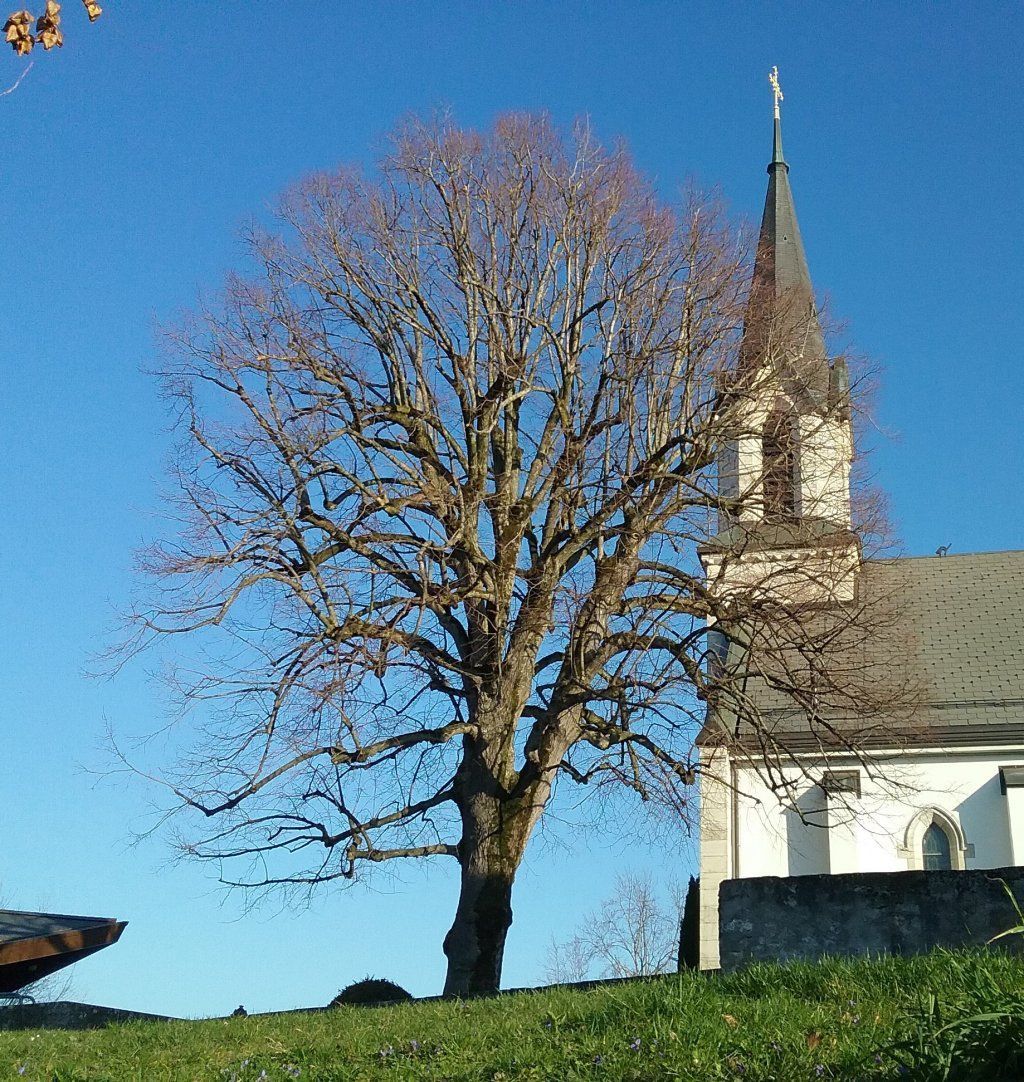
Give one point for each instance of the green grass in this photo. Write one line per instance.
(944, 1016)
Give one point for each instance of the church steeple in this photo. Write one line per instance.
(782, 326)
(784, 471)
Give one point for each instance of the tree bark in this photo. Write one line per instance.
(475, 943)
(494, 836)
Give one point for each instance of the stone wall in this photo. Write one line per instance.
(67, 1015)
(807, 916)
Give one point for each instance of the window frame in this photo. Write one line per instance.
(913, 841)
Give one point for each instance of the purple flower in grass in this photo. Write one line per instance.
(598, 1060)
(634, 1044)
(819, 1070)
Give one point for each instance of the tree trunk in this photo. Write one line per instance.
(475, 944)
(492, 846)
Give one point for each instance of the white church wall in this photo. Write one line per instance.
(749, 467)
(823, 466)
(807, 575)
(845, 841)
(764, 822)
(1015, 809)
(869, 833)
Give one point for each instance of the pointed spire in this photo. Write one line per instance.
(782, 318)
(777, 158)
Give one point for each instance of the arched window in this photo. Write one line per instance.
(778, 457)
(936, 853)
(934, 841)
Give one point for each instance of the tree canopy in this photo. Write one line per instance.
(447, 461)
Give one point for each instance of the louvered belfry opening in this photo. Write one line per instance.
(779, 467)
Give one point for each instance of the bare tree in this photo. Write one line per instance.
(448, 458)
(632, 934)
(54, 988)
(568, 962)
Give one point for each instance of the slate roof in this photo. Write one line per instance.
(741, 537)
(968, 614)
(962, 623)
(781, 265)
(781, 315)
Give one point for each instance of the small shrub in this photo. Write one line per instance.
(370, 990)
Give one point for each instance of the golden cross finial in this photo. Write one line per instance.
(773, 78)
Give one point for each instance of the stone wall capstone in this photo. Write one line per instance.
(808, 916)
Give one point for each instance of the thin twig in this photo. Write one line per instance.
(11, 89)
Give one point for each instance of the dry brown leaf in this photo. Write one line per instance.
(50, 37)
(730, 1020)
(18, 32)
(813, 1040)
(48, 33)
(18, 27)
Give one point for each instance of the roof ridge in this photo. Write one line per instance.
(948, 556)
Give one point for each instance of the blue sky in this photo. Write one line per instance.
(131, 161)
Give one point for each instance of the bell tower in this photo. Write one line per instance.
(784, 463)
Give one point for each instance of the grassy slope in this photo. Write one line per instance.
(832, 1020)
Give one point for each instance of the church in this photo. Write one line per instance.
(936, 787)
